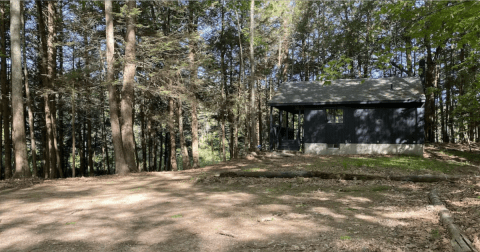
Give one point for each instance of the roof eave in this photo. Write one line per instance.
(276, 104)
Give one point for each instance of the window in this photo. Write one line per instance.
(333, 146)
(334, 115)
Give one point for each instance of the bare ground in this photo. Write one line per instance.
(196, 211)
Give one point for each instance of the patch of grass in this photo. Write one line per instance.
(470, 156)
(136, 189)
(70, 223)
(345, 237)
(177, 216)
(380, 188)
(352, 209)
(435, 234)
(300, 205)
(400, 162)
(270, 190)
(478, 197)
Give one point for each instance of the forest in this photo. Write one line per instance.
(116, 87)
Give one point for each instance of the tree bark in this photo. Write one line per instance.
(142, 136)
(171, 129)
(161, 150)
(253, 116)
(121, 166)
(29, 105)
(73, 131)
(128, 95)
(183, 145)
(193, 83)
(19, 140)
(5, 96)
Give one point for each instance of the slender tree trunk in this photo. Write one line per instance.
(121, 166)
(58, 163)
(128, 89)
(171, 114)
(73, 131)
(193, 79)
(183, 146)
(161, 150)
(149, 132)
(155, 151)
(48, 60)
(5, 96)
(142, 134)
(29, 105)
(89, 144)
(253, 116)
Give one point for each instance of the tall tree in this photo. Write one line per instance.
(128, 94)
(253, 114)
(121, 166)
(31, 120)
(5, 96)
(19, 139)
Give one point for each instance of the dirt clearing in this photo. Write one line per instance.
(197, 211)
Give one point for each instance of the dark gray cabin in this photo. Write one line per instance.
(358, 116)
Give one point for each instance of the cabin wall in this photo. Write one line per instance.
(383, 129)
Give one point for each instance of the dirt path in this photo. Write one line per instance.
(196, 211)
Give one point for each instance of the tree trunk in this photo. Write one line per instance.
(121, 166)
(48, 58)
(193, 79)
(150, 138)
(161, 151)
(89, 144)
(171, 129)
(142, 136)
(183, 145)
(73, 131)
(29, 105)
(19, 140)
(253, 116)
(5, 96)
(58, 163)
(128, 89)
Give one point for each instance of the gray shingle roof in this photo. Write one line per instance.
(350, 91)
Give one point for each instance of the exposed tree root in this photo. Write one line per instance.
(460, 242)
(344, 176)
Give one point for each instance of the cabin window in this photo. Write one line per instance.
(334, 115)
(333, 146)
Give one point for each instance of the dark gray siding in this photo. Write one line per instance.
(315, 121)
(367, 125)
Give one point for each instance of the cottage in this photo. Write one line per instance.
(357, 116)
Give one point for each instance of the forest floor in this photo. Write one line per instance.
(195, 210)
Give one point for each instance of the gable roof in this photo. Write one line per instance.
(350, 91)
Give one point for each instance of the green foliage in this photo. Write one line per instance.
(177, 216)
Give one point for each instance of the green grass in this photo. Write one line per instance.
(345, 237)
(470, 156)
(351, 209)
(70, 223)
(380, 188)
(435, 234)
(401, 162)
(177, 216)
